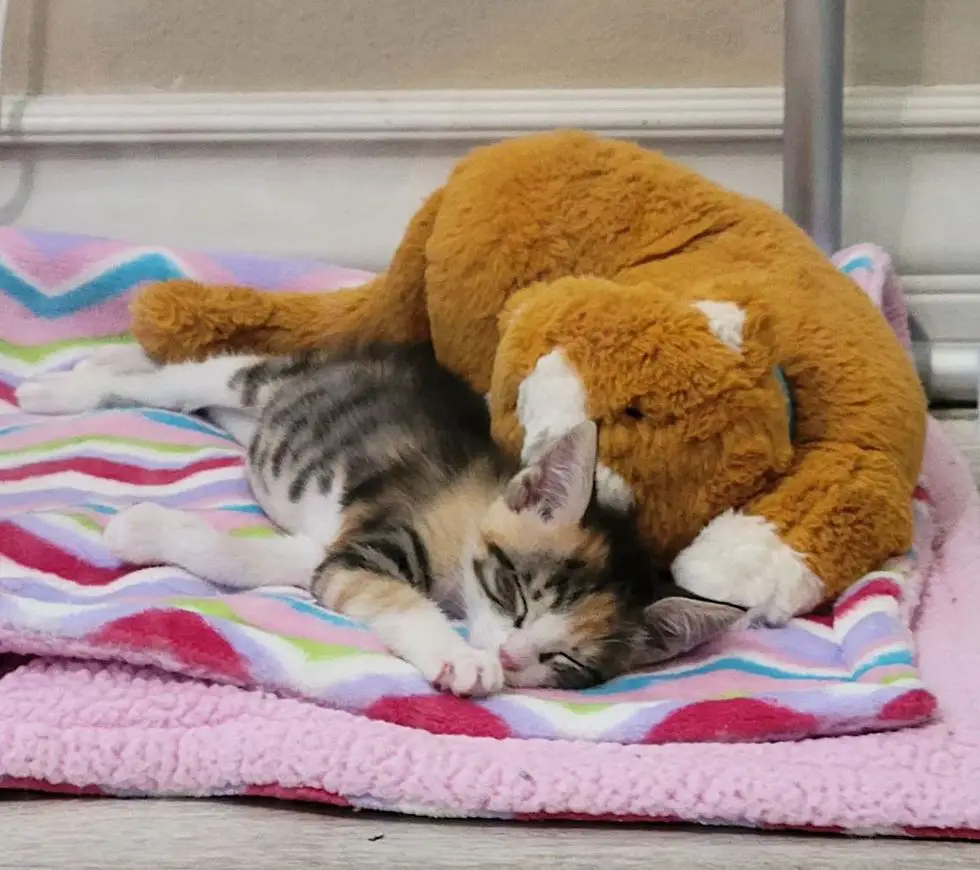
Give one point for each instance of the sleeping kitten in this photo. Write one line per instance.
(399, 507)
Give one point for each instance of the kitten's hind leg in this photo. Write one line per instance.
(150, 534)
(241, 425)
(121, 358)
(219, 381)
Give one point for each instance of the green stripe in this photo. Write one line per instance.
(84, 521)
(313, 650)
(581, 709)
(317, 651)
(155, 446)
(217, 609)
(36, 353)
(254, 532)
(899, 678)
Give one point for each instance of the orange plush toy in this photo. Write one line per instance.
(574, 277)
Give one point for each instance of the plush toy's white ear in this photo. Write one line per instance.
(558, 484)
(726, 320)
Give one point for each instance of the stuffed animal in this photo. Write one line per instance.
(574, 277)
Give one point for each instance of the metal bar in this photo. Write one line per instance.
(813, 150)
(813, 140)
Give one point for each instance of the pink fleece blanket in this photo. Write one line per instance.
(116, 729)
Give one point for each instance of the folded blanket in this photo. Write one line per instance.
(106, 725)
(64, 594)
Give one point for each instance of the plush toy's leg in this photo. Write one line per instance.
(841, 512)
(183, 320)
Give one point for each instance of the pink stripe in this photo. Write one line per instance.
(19, 326)
(718, 684)
(125, 424)
(279, 618)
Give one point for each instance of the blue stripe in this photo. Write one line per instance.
(185, 421)
(640, 681)
(9, 430)
(104, 509)
(857, 263)
(108, 285)
(315, 610)
(790, 401)
(897, 657)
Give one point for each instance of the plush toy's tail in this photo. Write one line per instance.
(184, 320)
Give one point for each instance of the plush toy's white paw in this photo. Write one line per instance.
(740, 559)
(147, 533)
(63, 392)
(123, 359)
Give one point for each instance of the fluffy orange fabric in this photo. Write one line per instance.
(600, 248)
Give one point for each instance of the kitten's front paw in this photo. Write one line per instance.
(740, 559)
(466, 672)
(61, 393)
(143, 534)
(471, 673)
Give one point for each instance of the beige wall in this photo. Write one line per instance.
(92, 46)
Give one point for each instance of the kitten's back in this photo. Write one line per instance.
(381, 432)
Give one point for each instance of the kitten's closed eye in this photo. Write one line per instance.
(502, 587)
(584, 674)
(509, 587)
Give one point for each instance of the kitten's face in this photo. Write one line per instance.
(540, 606)
(537, 585)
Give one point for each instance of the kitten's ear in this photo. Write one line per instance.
(558, 484)
(677, 624)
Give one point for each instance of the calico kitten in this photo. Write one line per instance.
(398, 508)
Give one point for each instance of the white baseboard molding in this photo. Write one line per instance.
(752, 114)
(338, 175)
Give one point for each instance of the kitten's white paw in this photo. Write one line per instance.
(123, 359)
(463, 670)
(471, 673)
(740, 559)
(145, 533)
(62, 392)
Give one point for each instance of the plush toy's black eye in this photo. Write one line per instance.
(634, 412)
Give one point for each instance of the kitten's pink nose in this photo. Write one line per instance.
(508, 662)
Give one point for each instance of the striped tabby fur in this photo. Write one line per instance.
(400, 508)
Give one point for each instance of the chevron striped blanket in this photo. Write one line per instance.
(62, 594)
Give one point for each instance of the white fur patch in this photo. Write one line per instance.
(551, 401)
(424, 638)
(151, 534)
(122, 379)
(317, 515)
(240, 424)
(740, 559)
(613, 489)
(120, 358)
(726, 320)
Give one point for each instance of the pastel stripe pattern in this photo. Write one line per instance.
(61, 593)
